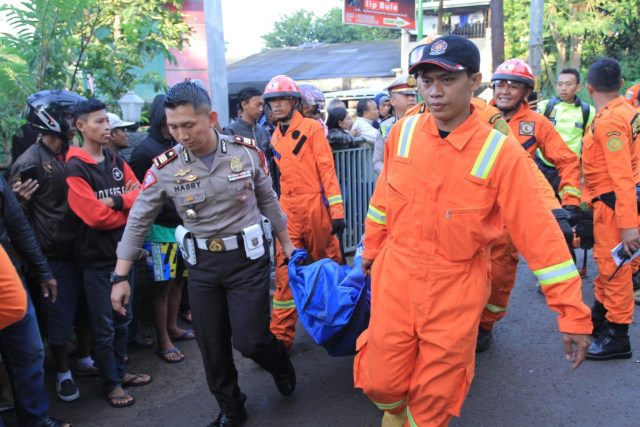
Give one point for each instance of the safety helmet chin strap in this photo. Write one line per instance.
(295, 105)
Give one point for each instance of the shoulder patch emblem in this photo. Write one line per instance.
(164, 158)
(247, 142)
(149, 180)
(614, 133)
(501, 126)
(614, 144)
(495, 118)
(263, 163)
(527, 128)
(635, 126)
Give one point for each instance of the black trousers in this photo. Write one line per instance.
(229, 298)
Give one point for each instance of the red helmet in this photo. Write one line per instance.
(515, 70)
(281, 86)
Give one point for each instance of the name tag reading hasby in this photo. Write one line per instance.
(237, 176)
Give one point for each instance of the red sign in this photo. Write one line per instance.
(381, 13)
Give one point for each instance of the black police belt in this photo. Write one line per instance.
(609, 199)
(220, 244)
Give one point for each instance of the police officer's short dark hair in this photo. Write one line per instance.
(363, 106)
(84, 108)
(571, 71)
(246, 94)
(604, 75)
(187, 93)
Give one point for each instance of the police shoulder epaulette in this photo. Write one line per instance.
(247, 142)
(164, 158)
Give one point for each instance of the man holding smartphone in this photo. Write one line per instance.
(39, 182)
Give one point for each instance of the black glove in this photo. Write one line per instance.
(337, 226)
(574, 213)
(562, 216)
(584, 230)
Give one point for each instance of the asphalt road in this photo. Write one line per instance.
(522, 380)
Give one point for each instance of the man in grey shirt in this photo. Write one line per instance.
(251, 102)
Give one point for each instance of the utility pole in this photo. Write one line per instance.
(535, 39)
(440, 10)
(215, 60)
(420, 16)
(497, 33)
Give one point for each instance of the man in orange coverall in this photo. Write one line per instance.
(310, 194)
(448, 183)
(611, 182)
(504, 255)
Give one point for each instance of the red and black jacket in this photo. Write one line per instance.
(101, 227)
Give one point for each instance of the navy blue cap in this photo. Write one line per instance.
(453, 53)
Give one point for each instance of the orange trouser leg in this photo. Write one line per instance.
(504, 266)
(419, 350)
(309, 226)
(615, 294)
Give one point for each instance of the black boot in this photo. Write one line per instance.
(228, 419)
(285, 375)
(612, 344)
(598, 313)
(484, 340)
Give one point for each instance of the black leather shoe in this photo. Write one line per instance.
(285, 376)
(484, 340)
(612, 344)
(230, 420)
(49, 421)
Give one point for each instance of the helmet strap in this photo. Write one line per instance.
(295, 105)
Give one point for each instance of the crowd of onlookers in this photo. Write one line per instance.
(64, 202)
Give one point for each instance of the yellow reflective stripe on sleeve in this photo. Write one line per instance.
(494, 308)
(385, 406)
(556, 273)
(284, 305)
(412, 423)
(376, 215)
(570, 190)
(406, 135)
(334, 200)
(488, 154)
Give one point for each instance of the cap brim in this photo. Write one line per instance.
(405, 91)
(444, 63)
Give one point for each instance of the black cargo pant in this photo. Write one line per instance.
(229, 298)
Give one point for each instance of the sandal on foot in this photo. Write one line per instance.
(125, 395)
(133, 383)
(186, 316)
(163, 355)
(186, 336)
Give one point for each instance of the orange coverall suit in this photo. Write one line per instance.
(610, 163)
(437, 206)
(311, 198)
(504, 255)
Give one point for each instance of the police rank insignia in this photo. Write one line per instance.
(191, 177)
(235, 164)
(527, 128)
(164, 158)
(182, 172)
(247, 142)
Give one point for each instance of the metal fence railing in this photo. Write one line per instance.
(357, 180)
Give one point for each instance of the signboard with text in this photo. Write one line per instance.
(380, 13)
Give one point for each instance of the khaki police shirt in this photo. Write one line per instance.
(225, 199)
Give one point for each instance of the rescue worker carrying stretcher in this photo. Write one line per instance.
(447, 184)
(309, 194)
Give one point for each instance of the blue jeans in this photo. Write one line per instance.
(109, 330)
(62, 313)
(23, 354)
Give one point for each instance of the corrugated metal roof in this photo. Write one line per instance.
(317, 61)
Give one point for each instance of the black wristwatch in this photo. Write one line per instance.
(115, 278)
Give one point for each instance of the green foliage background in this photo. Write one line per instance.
(65, 44)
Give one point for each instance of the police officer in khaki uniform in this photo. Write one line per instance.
(403, 95)
(220, 186)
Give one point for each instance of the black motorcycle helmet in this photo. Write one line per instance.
(46, 110)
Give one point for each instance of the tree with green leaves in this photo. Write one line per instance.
(87, 46)
(304, 27)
